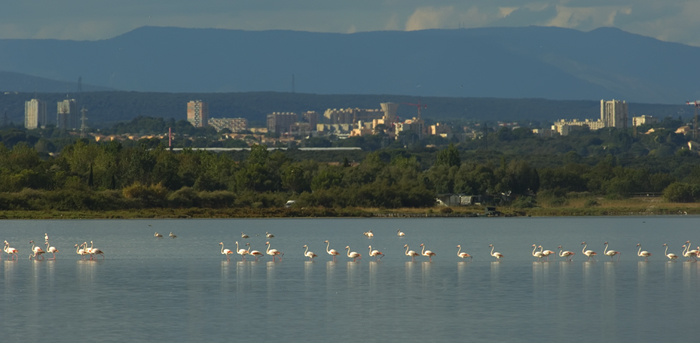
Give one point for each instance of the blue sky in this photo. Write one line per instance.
(668, 20)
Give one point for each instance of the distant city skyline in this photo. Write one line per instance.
(670, 20)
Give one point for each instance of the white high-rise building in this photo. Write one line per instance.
(67, 114)
(614, 113)
(34, 114)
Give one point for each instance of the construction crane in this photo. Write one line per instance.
(419, 105)
(695, 103)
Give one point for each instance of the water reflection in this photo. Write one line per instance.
(409, 266)
(495, 273)
(462, 272)
(426, 279)
(608, 305)
(373, 267)
(353, 274)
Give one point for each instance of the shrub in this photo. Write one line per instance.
(591, 203)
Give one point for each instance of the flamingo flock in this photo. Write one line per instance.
(91, 252)
(538, 251)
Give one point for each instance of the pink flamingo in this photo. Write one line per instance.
(670, 256)
(254, 253)
(646, 254)
(546, 254)
(589, 253)
(94, 251)
(463, 255)
(241, 252)
(331, 252)
(51, 249)
(10, 251)
(566, 254)
(611, 253)
(226, 252)
(427, 253)
(308, 253)
(497, 255)
(353, 255)
(375, 253)
(275, 252)
(80, 251)
(37, 251)
(411, 253)
(537, 254)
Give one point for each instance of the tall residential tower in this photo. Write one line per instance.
(198, 113)
(34, 114)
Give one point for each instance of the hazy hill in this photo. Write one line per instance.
(523, 62)
(16, 82)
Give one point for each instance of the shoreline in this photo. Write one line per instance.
(613, 208)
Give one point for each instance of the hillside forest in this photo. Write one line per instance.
(513, 167)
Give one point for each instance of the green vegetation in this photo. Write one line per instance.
(587, 172)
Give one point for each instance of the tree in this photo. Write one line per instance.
(448, 157)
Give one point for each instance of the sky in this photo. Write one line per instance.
(667, 20)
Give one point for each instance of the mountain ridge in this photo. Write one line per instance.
(502, 62)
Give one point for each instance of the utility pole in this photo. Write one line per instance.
(83, 122)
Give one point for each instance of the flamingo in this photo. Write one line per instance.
(275, 252)
(369, 234)
(269, 235)
(241, 252)
(687, 254)
(645, 253)
(46, 237)
(51, 249)
(564, 253)
(80, 251)
(546, 254)
(172, 235)
(611, 253)
(375, 253)
(400, 234)
(353, 255)
(243, 235)
(254, 252)
(427, 253)
(331, 252)
(411, 253)
(589, 253)
(157, 235)
(537, 254)
(670, 256)
(226, 252)
(463, 255)
(695, 252)
(10, 251)
(95, 251)
(308, 253)
(37, 251)
(497, 255)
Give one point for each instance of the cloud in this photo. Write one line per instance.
(428, 18)
(587, 18)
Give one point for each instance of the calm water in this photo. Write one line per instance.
(183, 289)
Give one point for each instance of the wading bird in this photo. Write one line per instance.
(172, 235)
(400, 234)
(51, 249)
(157, 235)
(10, 251)
(254, 252)
(331, 252)
(566, 254)
(411, 253)
(589, 253)
(427, 253)
(611, 253)
(308, 253)
(274, 252)
(353, 255)
(537, 254)
(375, 253)
(497, 255)
(645, 254)
(670, 256)
(226, 252)
(36, 251)
(462, 255)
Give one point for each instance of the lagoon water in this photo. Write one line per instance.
(183, 289)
